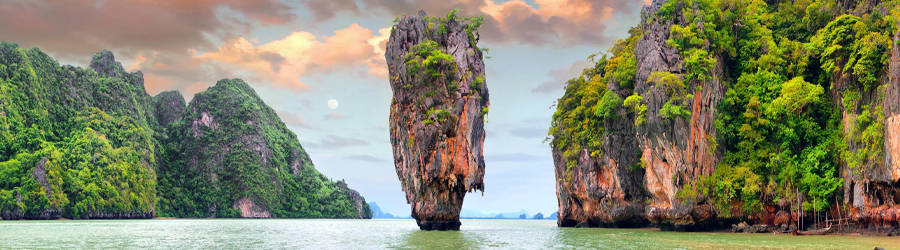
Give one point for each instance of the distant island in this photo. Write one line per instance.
(466, 213)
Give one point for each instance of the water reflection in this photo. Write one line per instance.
(441, 240)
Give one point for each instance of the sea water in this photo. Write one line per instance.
(387, 234)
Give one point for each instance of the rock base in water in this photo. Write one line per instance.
(439, 225)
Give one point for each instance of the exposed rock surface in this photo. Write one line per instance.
(676, 152)
(608, 191)
(437, 115)
(874, 191)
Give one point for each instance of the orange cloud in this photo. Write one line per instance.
(377, 65)
(283, 62)
(560, 22)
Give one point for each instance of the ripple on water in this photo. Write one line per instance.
(381, 234)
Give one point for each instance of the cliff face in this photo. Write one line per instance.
(439, 103)
(610, 191)
(873, 189)
(677, 152)
(698, 119)
(231, 156)
(92, 144)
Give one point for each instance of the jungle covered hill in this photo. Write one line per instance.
(714, 112)
(90, 143)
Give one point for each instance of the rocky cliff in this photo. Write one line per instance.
(440, 100)
(873, 187)
(92, 144)
(709, 114)
(231, 156)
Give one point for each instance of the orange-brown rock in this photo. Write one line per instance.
(873, 190)
(437, 115)
(609, 191)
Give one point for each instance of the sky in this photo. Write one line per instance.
(299, 54)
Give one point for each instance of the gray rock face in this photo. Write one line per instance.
(873, 191)
(440, 100)
(105, 63)
(363, 211)
(608, 191)
(676, 151)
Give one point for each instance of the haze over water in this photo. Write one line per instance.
(391, 234)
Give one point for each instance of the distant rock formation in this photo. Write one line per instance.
(377, 213)
(440, 100)
(539, 216)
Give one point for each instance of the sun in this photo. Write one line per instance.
(332, 104)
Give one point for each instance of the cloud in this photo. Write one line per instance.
(334, 116)
(181, 44)
(532, 128)
(367, 158)
(292, 119)
(77, 29)
(281, 63)
(560, 22)
(560, 77)
(333, 141)
(530, 133)
(490, 132)
(514, 157)
(323, 10)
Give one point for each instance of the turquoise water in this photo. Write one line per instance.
(390, 234)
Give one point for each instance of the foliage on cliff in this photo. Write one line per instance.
(91, 143)
(578, 122)
(802, 97)
(229, 145)
(75, 143)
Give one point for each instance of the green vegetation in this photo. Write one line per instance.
(609, 103)
(428, 57)
(81, 144)
(242, 150)
(795, 73)
(73, 141)
(438, 115)
(634, 103)
(578, 123)
(433, 76)
(676, 107)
